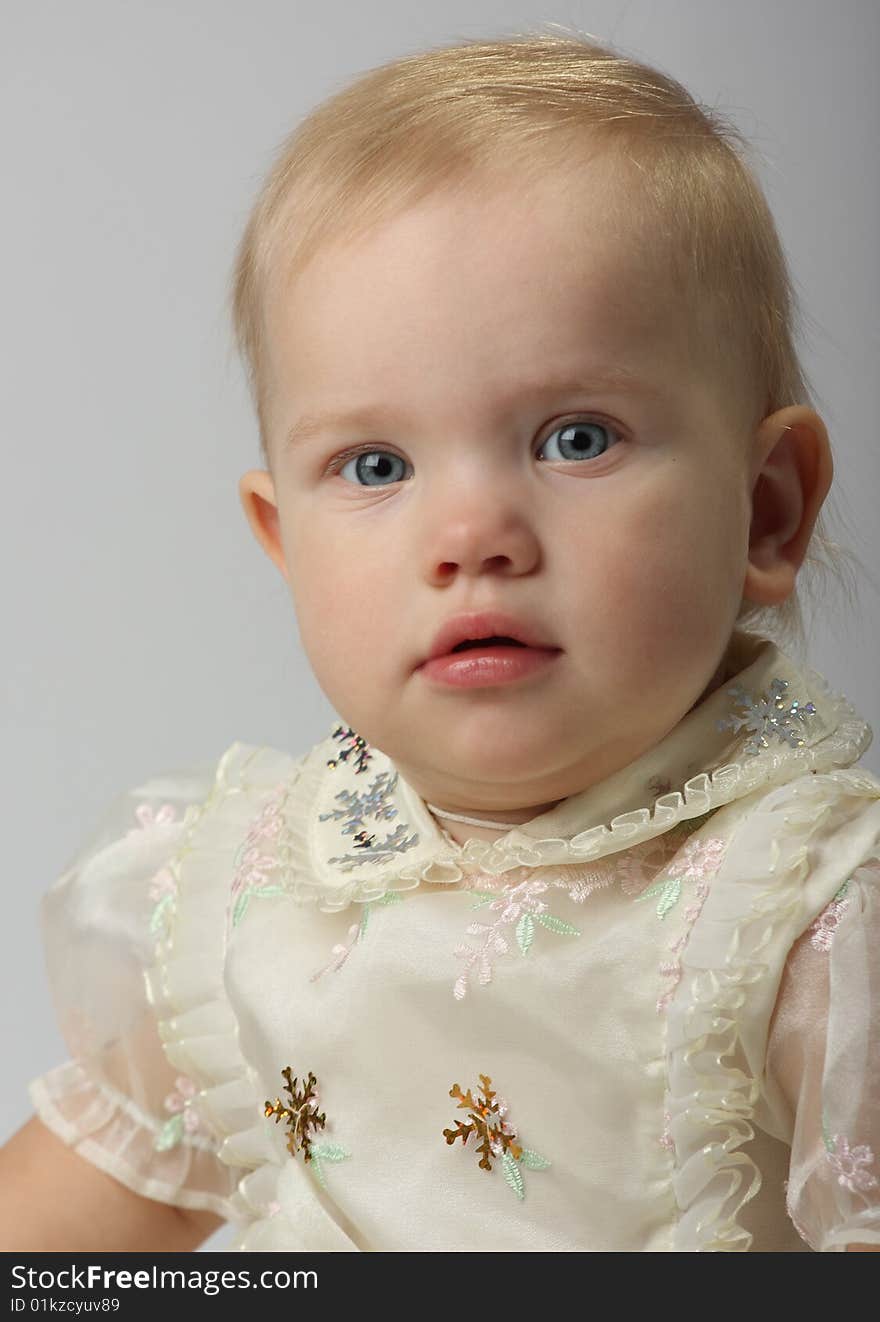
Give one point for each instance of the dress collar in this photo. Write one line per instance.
(356, 829)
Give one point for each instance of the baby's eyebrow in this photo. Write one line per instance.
(378, 416)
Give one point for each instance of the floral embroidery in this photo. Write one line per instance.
(672, 968)
(767, 715)
(849, 1164)
(163, 892)
(341, 951)
(301, 1117)
(666, 1140)
(351, 742)
(822, 929)
(515, 904)
(148, 817)
(637, 867)
(487, 1120)
(252, 866)
(699, 859)
(185, 1119)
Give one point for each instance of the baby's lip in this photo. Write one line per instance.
(486, 624)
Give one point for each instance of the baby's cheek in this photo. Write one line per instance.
(671, 579)
(348, 622)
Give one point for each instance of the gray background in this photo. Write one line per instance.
(147, 630)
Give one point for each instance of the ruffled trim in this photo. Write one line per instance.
(196, 1023)
(745, 929)
(308, 876)
(108, 1130)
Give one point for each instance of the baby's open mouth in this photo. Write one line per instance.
(487, 642)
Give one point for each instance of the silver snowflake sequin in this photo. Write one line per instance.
(767, 715)
(375, 803)
(352, 744)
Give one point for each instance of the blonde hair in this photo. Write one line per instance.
(452, 115)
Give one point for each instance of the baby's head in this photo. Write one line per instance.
(517, 323)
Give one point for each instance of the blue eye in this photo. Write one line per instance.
(579, 440)
(374, 465)
(378, 468)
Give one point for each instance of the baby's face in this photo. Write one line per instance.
(501, 473)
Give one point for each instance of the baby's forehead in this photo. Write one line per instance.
(507, 277)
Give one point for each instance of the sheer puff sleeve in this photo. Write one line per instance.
(823, 1069)
(116, 1100)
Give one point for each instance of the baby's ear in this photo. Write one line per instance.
(257, 491)
(790, 475)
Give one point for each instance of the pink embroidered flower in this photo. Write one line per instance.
(511, 908)
(162, 884)
(496, 1124)
(666, 1139)
(178, 1100)
(340, 953)
(592, 879)
(822, 929)
(517, 904)
(253, 866)
(850, 1164)
(699, 858)
(147, 817)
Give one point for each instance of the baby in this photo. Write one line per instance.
(541, 472)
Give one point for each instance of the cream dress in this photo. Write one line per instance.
(646, 1020)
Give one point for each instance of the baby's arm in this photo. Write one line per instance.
(53, 1200)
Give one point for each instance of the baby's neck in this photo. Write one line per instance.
(491, 829)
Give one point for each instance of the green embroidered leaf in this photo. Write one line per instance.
(329, 1152)
(483, 897)
(556, 925)
(525, 932)
(513, 1174)
(170, 1134)
(159, 913)
(826, 1137)
(242, 902)
(844, 888)
(534, 1160)
(670, 897)
(390, 897)
(669, 892)
(363, 927)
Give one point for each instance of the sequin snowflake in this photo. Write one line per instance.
(487, 1120)
(351, 745)
(767, 715)
(375, 802)
(301, 1118)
